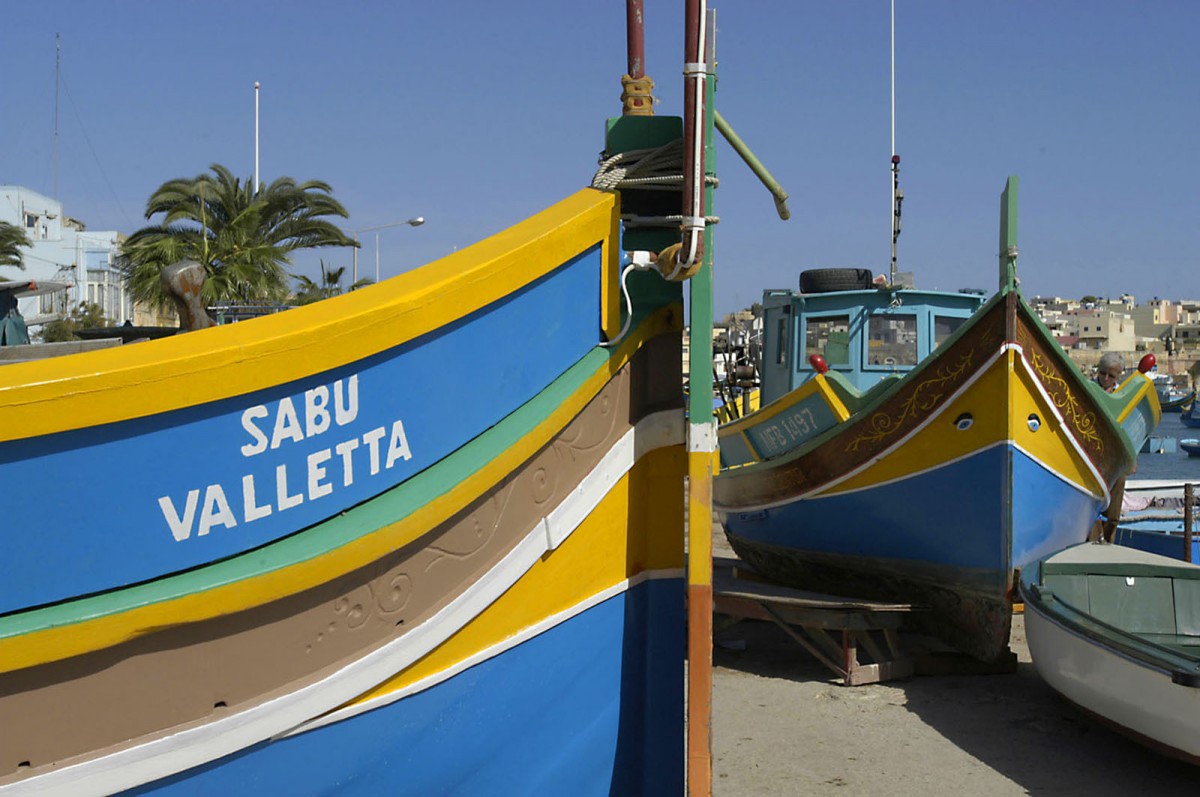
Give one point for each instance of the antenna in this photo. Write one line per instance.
(897, 194)
(256, 137)
(57, 68)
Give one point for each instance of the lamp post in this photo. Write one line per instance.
(413, 222)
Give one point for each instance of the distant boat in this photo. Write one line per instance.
(1191, 446)
(1154, 519)
(915, 446)
(1175, 400)
(1116, 631)
(1189, 416)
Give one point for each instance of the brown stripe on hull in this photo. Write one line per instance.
(184, 675)
(869, 433)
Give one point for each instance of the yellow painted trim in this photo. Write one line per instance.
(1137, 399)
(79, 391)
(817, 385)
(62, 642)
(832, 399)
(596, 557)
(702, 466)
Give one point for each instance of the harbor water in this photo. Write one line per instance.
(1173, 463)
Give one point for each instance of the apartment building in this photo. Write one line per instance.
(63, 251)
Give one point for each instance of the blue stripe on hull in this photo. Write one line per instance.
(90, 515)
(1048, 514)
(592, 706)
(955, 516)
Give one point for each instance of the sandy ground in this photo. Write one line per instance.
(784, 725)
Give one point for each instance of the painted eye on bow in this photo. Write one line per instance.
(1034, 422)
(964, 422)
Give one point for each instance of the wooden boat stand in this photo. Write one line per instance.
(814, 621)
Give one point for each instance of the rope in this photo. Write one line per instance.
(662, 221)
(657, 163)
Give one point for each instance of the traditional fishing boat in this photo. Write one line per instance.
(255, 558)
(918, 446)
(1117, 632)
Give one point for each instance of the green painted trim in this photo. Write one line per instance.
(1008, 235)
(329, 535)
(1184, 668)
(700, 287)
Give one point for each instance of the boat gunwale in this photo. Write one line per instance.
(58, 395)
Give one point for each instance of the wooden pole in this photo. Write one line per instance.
(702, 466)
(1188, 516)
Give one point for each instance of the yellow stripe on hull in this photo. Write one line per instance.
(47, 396)
(995, 408)
(611, 545)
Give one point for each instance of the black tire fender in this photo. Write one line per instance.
(825, 280)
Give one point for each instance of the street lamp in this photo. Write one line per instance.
(414, 222)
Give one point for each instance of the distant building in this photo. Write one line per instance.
(64, 251)
(1101, 328)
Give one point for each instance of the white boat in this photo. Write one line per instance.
(1116, 631)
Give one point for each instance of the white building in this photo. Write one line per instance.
(63, 251)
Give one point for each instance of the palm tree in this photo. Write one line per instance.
(12, 238)
(242, 236)
(309, 290)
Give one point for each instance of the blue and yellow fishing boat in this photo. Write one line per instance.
(922, 446)
(258, 558)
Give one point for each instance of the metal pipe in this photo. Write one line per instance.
(635, 38)
(755, 165)
(691, 245)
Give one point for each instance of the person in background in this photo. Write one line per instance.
(1109, 371)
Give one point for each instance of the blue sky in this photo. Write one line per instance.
(475, 115)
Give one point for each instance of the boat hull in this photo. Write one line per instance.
(1134, 698)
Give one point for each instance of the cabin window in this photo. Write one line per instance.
(829, 337)
(944, 327)
(781, 336)
(892, 340)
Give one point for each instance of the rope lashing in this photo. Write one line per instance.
(637, 98)
(656, 163)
